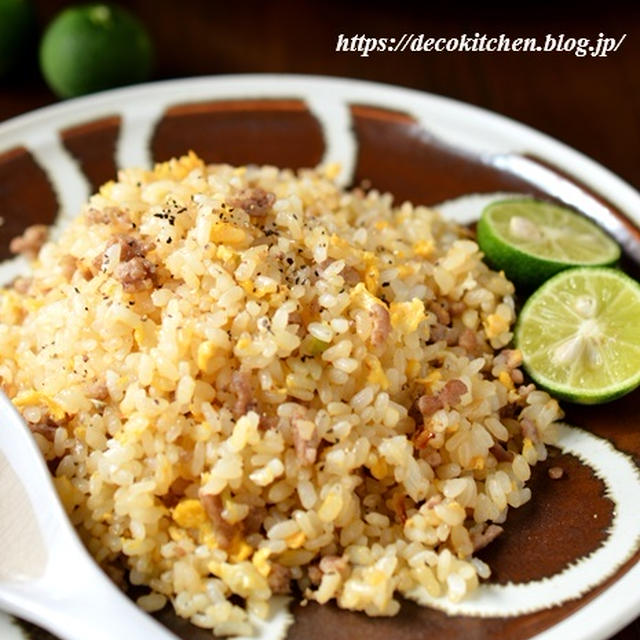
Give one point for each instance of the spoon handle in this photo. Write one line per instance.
(74, 599)
(60, 587)
(103, 613)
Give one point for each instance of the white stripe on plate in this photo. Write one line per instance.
(341, 146)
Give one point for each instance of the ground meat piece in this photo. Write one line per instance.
(120, 217)
(86, 271)
(351, 275)
(223, 531)
(325, 264)
(452, 391)
(134, 271)
(135, 274)
(267, 422)
(314, 573)
(500, 453)
(306, 448)
(295, 317)
(452, 336)
(428, 405)
(442, 314)
(333, 564)
(509, 360)
(279, 579)
(525, 390)
(31, 240)
(468, 340)
(381, 325)
(509, 411)
(176, 492)
(255, 519)
(449, 334)
(108, 215)
(256, 202)
(22, 284)
(448, 396)
(513, 357)
(399, 506)
(46, 428)
(97, 390)
(96, 216)
(457, 308)
(130, 247)
(555, 473)
(241, 386)
(309, 312)
(529, 429)
(481, 540)
(68, 265)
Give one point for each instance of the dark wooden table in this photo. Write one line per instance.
(592, 104)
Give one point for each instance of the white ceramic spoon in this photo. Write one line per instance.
(46, 575)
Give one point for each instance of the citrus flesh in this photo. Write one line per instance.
(531, 240)
(579, 335)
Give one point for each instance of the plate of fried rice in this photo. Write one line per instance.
(250, 328)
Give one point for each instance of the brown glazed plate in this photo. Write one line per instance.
(568, 564)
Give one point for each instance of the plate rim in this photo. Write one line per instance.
(579, 165)
(617, 601)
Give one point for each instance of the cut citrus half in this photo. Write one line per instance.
(531, 240)
(579, 335)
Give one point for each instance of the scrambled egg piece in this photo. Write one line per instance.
(144, 334)
(240, 550)
(177, 168)
(189, 513)
(371, 273)
(423, 248)
(495, 325)
(225, 253)
(413, 368)
(506, 380)
(32, 398)
(432, 377)
(206, 350)
(380, 469)
(406, 316)
(363, 298)
(376, 373)
(261, 562)
(296, 540)
(225, 233)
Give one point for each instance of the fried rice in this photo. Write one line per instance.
(247, 381)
